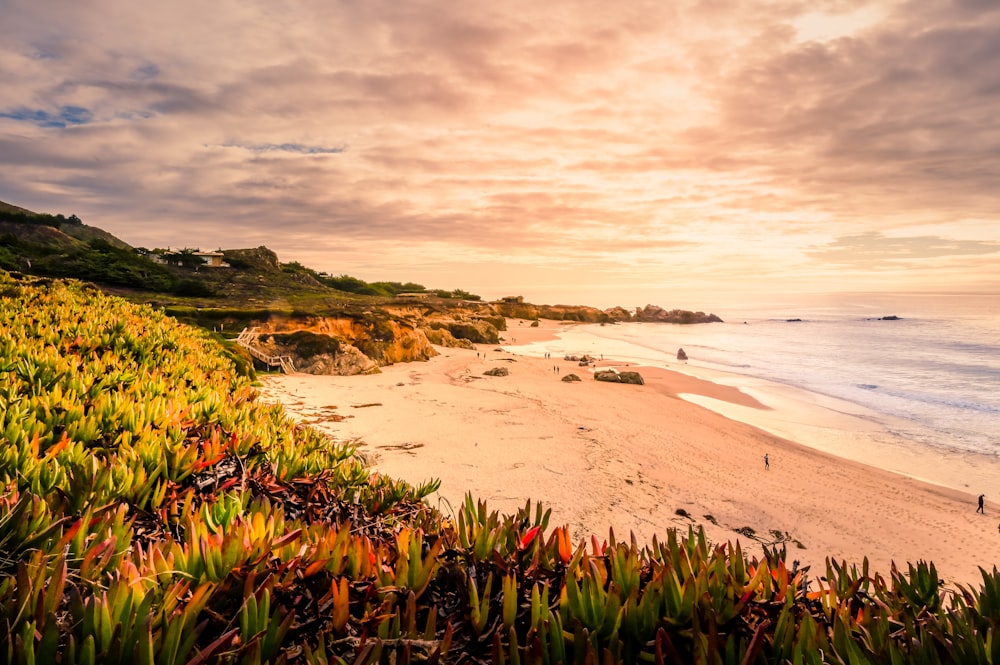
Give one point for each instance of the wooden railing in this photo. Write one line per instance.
(247, 338)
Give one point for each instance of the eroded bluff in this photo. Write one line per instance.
(344, 345)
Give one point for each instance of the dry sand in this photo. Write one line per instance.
(635, 458)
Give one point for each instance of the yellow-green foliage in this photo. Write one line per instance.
(103, 400)
(135, 469)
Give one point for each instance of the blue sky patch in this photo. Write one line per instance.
(300, 148)
(67, 115)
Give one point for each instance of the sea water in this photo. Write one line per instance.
(919, 395)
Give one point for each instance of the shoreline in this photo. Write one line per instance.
(635, 458)
(823, 422)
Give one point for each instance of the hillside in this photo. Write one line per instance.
(289, 305)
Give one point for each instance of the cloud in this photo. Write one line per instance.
(145, 71)
(298, 148)
(873, 248)
(726, 137)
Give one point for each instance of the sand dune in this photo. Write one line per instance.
(635, 458)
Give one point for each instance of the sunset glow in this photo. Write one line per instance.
(683, 153)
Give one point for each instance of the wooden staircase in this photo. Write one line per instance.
(248, 338)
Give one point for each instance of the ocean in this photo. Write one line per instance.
(919, 395)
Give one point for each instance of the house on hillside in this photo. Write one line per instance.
(196, 259)
(213, 259)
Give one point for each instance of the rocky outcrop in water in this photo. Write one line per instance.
(655, 314)
(583, 314)
(618, 314)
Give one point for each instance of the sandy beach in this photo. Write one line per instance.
(635, 458)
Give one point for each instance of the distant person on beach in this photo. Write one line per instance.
(980, 508)
(767, 465)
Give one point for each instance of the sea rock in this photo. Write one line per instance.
(618, 314)
(534, 324)
(571, 358)
(655, 314)
(569, 378)
(891, 317)
(496, 371)
(614, 376)
(681, 355)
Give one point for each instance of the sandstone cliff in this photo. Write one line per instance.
(343, 344)
(358, 342)
(461, 324)
(581, 313)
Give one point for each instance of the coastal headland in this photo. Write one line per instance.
(637, 459)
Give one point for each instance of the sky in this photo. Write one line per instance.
(684, 153)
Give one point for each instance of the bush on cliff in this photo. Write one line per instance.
(152, 510)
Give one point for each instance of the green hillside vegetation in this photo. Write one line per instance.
(60, 246)
(153, 510)
(7, 207)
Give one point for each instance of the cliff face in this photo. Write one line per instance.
(581, 313)
(462, 325)
(361, 342)
(357, 345)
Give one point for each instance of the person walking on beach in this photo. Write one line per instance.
(980, 508)
(767, 462)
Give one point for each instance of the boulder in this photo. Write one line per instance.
(618, 314)
(681, 355)
(614, 376)
(496, 371)
(569, 378)
(631, 377)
